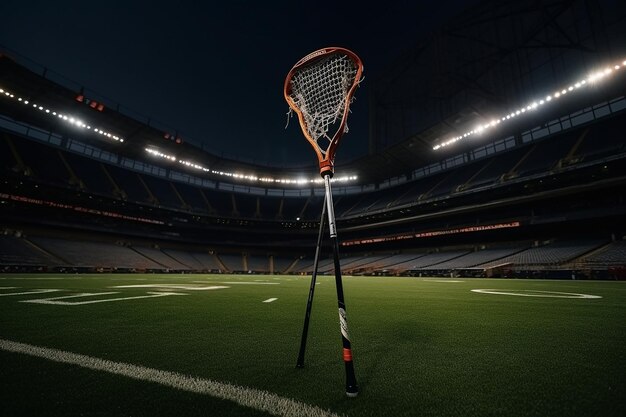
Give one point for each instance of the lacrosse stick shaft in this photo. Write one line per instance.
(351, 386)
(307, 315)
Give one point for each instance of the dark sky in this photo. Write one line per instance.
(214, 71)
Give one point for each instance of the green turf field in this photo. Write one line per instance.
(422, 347)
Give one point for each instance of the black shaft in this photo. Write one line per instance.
(351, 385)
(309, 303)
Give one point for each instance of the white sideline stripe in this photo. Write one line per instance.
(247, 397)
(28, 292)
(269, 300)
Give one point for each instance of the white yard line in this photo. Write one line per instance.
(28, 292)
(239, 282)
(174, 287)
(247, 397)
(55, 300)
(270, 300)
(536, 293)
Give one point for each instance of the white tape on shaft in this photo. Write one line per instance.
(343, 322)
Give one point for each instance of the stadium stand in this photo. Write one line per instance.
(555, 253)
(193, 198)
(44, 163)
(282, 264)
(160, 258)
(292, 208)
(17, 251)
(232, 262)
(96, 255)
(208, 261)
(258, 264)
(162, 191)
(545, 193)
(185, 258)
(479, 257)
(610, 255)
(6, 156)
(129, 183)
(90, 174)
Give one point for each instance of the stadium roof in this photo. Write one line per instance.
(468, 83)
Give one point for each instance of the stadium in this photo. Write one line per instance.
(481, 241)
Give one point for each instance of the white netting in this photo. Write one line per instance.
(319, 90)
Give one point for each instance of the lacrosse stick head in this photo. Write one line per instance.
(320, 89)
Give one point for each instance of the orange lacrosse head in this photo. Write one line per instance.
(320, 89)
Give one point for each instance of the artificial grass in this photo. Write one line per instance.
(421, 346)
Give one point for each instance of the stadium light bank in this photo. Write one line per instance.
(249, 177)
(81, 124)
(67, 118)
(536, 104)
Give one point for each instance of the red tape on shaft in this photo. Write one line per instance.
(347, 355)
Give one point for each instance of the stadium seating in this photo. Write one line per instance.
(130, 184)
(232, 262)
(555, 253)
(53, 175)
(257, 264)
(43, 162)
(613, 254)
(17, 251)
(160, 258)
(477, 258)
(95, 254)
(90, 174)
(192, 197)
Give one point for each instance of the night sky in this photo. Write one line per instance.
(214, 71)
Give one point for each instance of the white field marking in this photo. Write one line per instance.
(241, 283)
(55, 300)
(269, 300)
(173, 287)
(442, 280)
(8, 288)
(38, 278)
(126, 279)
(247, 397)
(536, 293)
(28, 292)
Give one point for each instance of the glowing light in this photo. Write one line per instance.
(246, 177)
(69, 119)
(592, 77)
